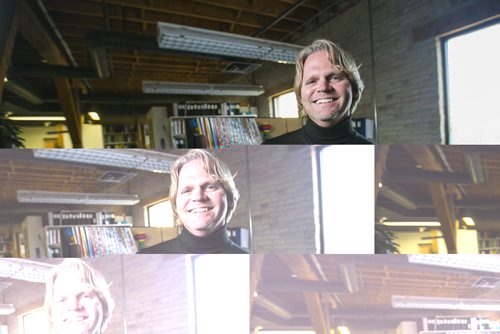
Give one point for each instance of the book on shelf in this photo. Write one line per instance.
(215, 132)
(90, 241)
(206, 109)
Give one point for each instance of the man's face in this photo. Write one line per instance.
(76, 307)
(326, 92)
(201, 200)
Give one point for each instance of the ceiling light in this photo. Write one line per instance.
(273, 308)
(38, 118)
(26, 270)
(483, 262)
(411, 224)
(184, 38)
(124, 158)
(435, 303)
(468, 221)
(343, 330)
(5, 79)
(55, 197)
(164, 87)
(94, 116)
(6, 309)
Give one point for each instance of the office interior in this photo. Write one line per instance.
(114, 58)
(437, 199)
(374, 294)
(161, 294)
(47, 191)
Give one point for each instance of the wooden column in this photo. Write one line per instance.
(8, 29)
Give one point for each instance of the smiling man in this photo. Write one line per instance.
(77, 299)
(328, 88)
(203, 196)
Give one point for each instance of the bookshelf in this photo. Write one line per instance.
(210, 108)
(488, 242)
(213, 131)
(6, 245)
(89, 240)
(120, 136)
(88, 234)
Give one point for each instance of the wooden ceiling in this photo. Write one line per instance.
(124, 32)
(444, 183)
(316, 292)
(20, 170)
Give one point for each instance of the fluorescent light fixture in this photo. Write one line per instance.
(55, 197)
(94, 116)
(273, 307)
(468, 221)
(435, 303)
(164, 87)
(124, 158)
(483, 262)
(6, 309)
(26, 270)
(411, 224)
(38, 118)
(184, 38)
(343, 330)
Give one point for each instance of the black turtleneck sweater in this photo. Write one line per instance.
(311, 133)
(186, 243)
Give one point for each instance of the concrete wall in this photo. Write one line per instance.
(407, 78)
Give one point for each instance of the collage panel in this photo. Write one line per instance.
(93, 203)
(169, 293)
(437, 199)
(375, 294)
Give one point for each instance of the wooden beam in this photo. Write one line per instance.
(34, 32)
(445, 210)
(318, 313)
(256, 267)
(8, 29)
(381, 152)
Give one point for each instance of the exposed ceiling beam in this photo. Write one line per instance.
(381, 152)
(303, 286)
(256, 268)
(418, 175)
(443, 204)
(8, 28)
(316, 310)
(35, 33)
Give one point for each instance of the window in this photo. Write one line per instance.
(347, 198)
(160, 214)
(285, 105)
(472, 70)
(224, 281)
(34, 322)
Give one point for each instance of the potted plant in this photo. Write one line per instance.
(384, 241)
(10, 134)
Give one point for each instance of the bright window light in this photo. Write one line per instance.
(347, 198)
(160, 214)
(222, 280)
(34, 322)
(473, 70)
(285, 106)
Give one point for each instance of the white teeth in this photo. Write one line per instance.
(198, 210)
(324, 100)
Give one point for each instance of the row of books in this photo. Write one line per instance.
(91, 241)
(205, 109)
(215, 132)
(80, 218)
(110, 129)
(121, 137)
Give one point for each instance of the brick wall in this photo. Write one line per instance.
(409, 106)
(151, 296)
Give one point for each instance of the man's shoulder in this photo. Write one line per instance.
(291, 138)
(166, 247)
